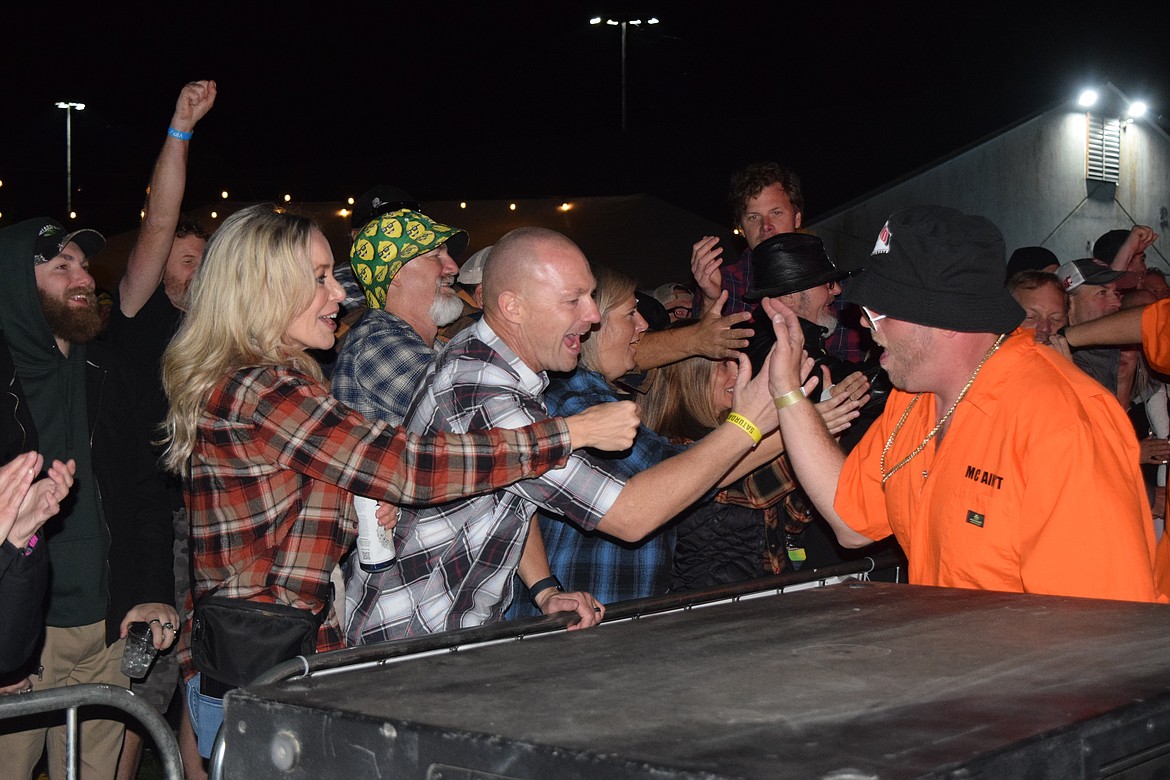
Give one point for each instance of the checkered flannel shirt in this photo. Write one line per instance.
(381, 363)
(455, 562)
(275, 460)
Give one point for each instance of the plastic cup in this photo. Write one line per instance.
(140, 651)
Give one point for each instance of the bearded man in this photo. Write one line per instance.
(110, 546)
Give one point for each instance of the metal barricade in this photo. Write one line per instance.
(69, 698)
(383, 653)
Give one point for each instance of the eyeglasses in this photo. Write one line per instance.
(680, 312)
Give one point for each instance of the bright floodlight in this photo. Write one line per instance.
(635, 21)
(652, 20)
(611, 21)
(78, 106)
(1136, 109)
(1087, 98)
(595, 20)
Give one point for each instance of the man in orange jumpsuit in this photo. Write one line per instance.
(997, 464)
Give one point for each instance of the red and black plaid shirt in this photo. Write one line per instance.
(276, 459)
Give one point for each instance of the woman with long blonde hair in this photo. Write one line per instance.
(270, 460)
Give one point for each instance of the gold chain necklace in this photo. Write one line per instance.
(962, 394)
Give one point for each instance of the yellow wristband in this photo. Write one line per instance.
(747, 425)
(789, 398)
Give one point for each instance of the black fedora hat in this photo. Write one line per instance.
(788, 263)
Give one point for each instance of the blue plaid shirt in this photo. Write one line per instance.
(610, 569)
(380, 365)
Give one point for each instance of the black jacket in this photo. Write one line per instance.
(717, 544)
(139, 563)
(134, 499)
(23, 579)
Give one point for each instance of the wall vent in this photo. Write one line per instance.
(1103, 149)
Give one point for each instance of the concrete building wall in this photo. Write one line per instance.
(1030, 181)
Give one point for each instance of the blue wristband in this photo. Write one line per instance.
(173, 133)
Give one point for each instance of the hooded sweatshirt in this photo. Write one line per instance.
(55, 387)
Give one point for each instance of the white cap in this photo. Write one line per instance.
(471, 272)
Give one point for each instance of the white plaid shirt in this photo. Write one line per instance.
(455, 562)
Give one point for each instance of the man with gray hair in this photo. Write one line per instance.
(405, 264)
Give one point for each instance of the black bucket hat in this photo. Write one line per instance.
(788, 263)
(938, 267)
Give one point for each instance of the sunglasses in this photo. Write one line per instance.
(872, 316)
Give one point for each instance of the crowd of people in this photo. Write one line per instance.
(540, 434)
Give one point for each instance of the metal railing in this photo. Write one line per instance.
(70, 698)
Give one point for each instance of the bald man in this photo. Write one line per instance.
(455, 562)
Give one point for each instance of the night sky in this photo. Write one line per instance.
(515, 100)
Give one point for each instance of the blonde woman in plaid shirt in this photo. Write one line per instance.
(270, 460)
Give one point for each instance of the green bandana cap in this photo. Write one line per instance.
(387, 243)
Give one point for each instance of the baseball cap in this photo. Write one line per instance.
(1109, 243)
(1087, 271)
(380, 200)
(1029, 258)
(52, 238)
(471, 272)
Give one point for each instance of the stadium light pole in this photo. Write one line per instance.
(623, 22)
(69, 151)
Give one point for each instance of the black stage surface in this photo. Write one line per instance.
(858, 680)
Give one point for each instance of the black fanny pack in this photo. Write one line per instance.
(234, 641)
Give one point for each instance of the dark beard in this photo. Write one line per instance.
(77, 326)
